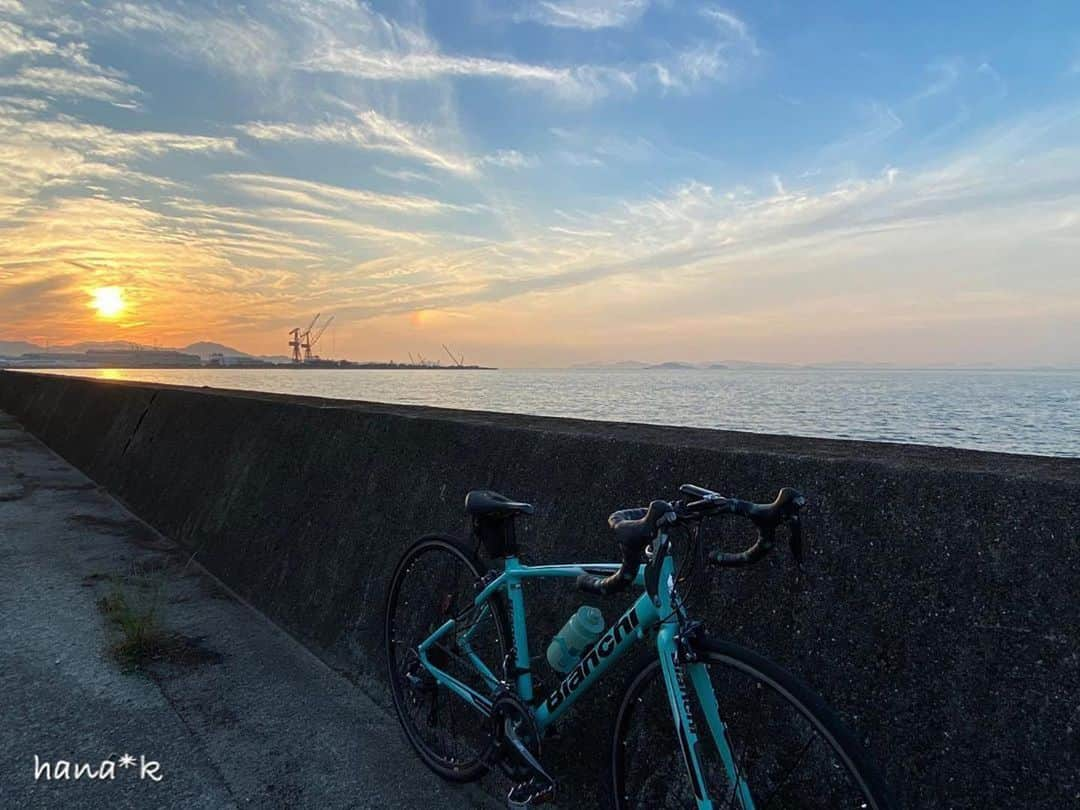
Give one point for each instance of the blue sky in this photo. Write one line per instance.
(549, 182)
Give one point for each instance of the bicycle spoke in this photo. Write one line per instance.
(433, 710)
(735, 786)
(787, 776)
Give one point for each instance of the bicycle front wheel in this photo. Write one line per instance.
(789, 749)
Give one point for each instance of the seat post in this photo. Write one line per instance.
(522, 667)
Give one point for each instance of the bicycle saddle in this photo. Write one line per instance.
(485, 503)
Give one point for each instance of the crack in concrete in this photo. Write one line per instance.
(138, 424)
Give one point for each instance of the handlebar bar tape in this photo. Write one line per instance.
(634, 530)
(766, 517)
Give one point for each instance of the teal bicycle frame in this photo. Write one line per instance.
(650, 615)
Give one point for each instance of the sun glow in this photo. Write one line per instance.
(108, 301)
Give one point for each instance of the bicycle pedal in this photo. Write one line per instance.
(530, 794)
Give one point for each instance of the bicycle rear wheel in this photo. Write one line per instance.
(433, 583)
(790, 749)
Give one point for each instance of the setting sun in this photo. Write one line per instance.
(108, 301)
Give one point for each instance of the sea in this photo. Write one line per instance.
(1032, 412)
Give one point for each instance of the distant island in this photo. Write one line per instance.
(836, 365)
(637, 364)
(676, 365)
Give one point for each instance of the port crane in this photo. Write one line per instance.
(294, 343)
(458, 361)
(309, 341)
(422, 362)
(301, 341)
(298, 340)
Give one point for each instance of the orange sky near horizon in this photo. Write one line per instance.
(151, 316)
(741, 282)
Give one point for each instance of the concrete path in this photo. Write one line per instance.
(234, 712)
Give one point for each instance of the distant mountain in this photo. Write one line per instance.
(205, 348)
(671, 364)
(13, 348)
(100, 346)
(637, 364)
(616, 364)
(850, 365)
(750, 364)
(733, 365)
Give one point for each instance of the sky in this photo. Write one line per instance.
(546, 182)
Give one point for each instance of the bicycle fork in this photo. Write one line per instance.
(681, 676)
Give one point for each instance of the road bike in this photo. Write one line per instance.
(702, 722)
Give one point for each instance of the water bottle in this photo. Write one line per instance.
(583, 628)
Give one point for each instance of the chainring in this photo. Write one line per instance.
(510, 712)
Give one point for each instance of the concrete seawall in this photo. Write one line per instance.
(937, 610)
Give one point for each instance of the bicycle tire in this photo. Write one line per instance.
(780, 683)
(452, 549)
